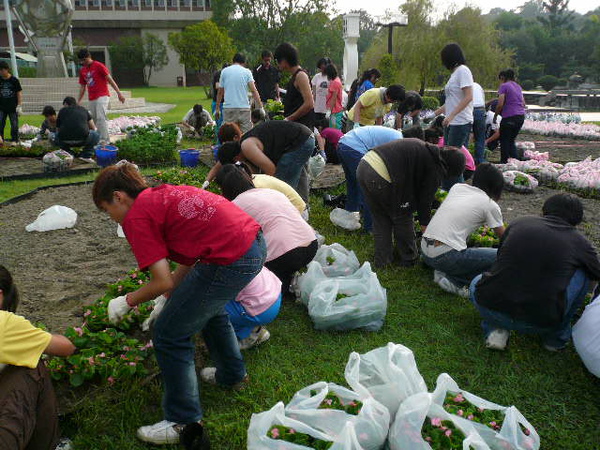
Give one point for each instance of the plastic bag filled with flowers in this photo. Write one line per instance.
(421, 424)
(273, 430)
(501, 427)
(586, 337)
(327, 407)
(387, 373)
(517, 181)
(346, 303)
(336, 260)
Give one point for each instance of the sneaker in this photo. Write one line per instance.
(449, 286)
(87, 160)
(257, 337)
(209, 375)
(497, 339)
(163, 432)
(64, 444)
(437, 276)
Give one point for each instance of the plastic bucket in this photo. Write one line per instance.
(189, 157)
(106, 155)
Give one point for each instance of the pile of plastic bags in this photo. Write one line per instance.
(341, 295)
(581, 175)
(388, 405)
(517, 181)
(123, 124)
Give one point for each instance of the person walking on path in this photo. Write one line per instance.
(95, 77)
(511, 106)
(266, 77)
(11, 98)
(234, 84)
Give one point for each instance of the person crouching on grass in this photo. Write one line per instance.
(28, 408)
(219, 249)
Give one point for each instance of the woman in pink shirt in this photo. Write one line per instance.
(291, 242)
(334, 97)
(219, 249)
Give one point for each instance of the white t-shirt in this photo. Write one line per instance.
(460, 78)
(188, 116)
(234, 81)
(478, 96)
(465, 209)
(320, 84)
(489, 120)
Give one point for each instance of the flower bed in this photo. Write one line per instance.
(553, 117)
(560, 129)
(149, 144)
(124, 124)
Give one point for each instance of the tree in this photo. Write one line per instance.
(558, 14)
(127, 52)
(154, 55)
(202, 46)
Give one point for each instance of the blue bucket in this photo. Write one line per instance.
(106, 155)
(189, 157)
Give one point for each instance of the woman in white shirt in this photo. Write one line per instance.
(466, 208)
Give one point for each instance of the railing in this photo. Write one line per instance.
(140, 5)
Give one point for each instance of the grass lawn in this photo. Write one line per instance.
(554, 391)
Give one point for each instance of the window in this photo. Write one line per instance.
(107, 4)
(185, 3)
(148, 3)
(96, 3)
(159, 3)
(133, 4)
(80, 4)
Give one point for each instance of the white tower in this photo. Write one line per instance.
(351, 35)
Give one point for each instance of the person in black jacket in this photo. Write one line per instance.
(541, 276)
(397, 179)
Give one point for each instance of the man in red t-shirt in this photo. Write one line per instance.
(95, 76)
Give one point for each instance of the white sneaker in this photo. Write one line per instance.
(449, 286)
(209, 375)
(257, 337)
(64, 444)
(497, 339)
(437, 276)
(163, 432)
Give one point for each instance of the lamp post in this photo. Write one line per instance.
(11, 40)
(395, 20)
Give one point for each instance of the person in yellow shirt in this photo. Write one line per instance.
(374, 104)
(28, 410)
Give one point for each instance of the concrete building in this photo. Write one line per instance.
(101, 22)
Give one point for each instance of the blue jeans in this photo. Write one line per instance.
(13, 117)
(456, 136)
(198, 304)
(554, 337)
(88, 144)
(479, 134)
(461, 267)
(355, 200)
(290, 165)
(243, 323)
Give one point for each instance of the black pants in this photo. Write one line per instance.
(509, 129)
(289, 263)
(14, 124)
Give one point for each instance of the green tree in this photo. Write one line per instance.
(127, 52)
(154, 55)
(557, 14)
(202, 46)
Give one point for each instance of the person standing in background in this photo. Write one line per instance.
(95, 76)
(511, 105)
(11, 97)
(334, 97)
(267, 78)
(479, 118)
(320, 86)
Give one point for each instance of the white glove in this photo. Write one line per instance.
(205, 184)
(117, 308)
(328, 114)
(159, 303)
(19, 110)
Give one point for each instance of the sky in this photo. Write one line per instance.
(379, 7)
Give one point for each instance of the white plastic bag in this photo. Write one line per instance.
(510, 437)
(260, 424)
(316, 164)
(517, 181)
(336, 260)
(54, 218)
(120, 232)
(346, 303)
(405, 432)
(371, 423)
(57, 161)
(586, 337)
(345, 219)
(388, 373)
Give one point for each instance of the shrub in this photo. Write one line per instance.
(430, 103)
(527, 85)
(149, 144)
(548, 82)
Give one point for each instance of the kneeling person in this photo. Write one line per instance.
(75, 128)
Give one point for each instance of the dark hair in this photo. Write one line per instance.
(83, 53)
(566, 206)
(331, 72)
(454, 160)
(414, 132)
(239, 58)
(395, 93)
(452, 56)
(507, 74)
(122, 177)
(433, 135)
(198, 108)
(4, 65)
(266, 54)
(233, 180)
(368, 74)
(257, 115)
(493, 105)
(287, 52)
(325, 60)
(48, 111)
(228, 151)
(11, 294)
(489, 179)
(229, 131)
(69, 101)
(323, 123)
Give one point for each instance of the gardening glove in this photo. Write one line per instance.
(159, 303)
(328, 114)
(117, 308)
(205, 184)
(19, 110)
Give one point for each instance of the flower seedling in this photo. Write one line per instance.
(290, 435)
(340, 296)
(332, 401)
(441, 434)
(330, 260)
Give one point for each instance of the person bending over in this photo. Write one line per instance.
(371, 106)
(75, 128)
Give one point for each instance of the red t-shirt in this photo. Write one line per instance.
(186, 224)
(94, 76)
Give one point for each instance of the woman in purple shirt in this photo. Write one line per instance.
(511, 106)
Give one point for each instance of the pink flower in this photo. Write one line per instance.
(292, 431)
(78, 330)
(328, 401)
(102, 355)
(492, 423)
(459, 398)
(132, 363)
(481, 409)
(123, 356)
(87, 313)
(140, 282)
(91, 360)
(120, 288)
(470, 417)
(274, 433)
(448, 433)
(111, 380)
(460, 412)
(428, 439)
(133, 275)
(436, 422)
(527, 432)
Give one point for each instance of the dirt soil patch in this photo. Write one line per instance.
(33, 166)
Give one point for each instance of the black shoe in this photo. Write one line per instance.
(194, 437)
(338, 201)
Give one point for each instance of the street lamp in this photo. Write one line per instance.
(391, 21)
